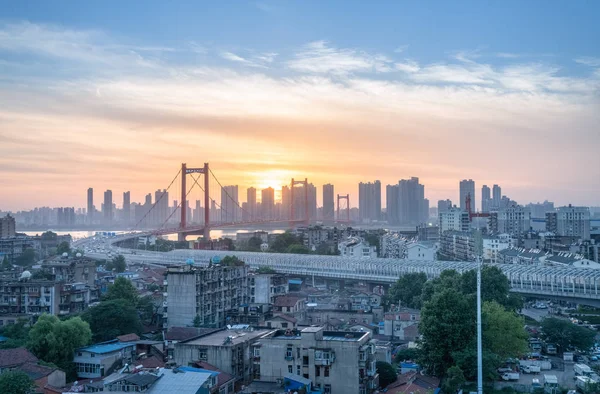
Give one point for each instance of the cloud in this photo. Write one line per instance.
(238, 59)
(409, 66)
(589, 61)
(507, 55)
(401, 48)
(267, 57)
(318, 57)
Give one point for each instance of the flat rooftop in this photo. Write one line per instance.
(103, 348)
(343, 336)
(218, 338)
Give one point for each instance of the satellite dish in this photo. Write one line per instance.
(65, 254)
(25, 275)
(189, 261)
(215, 260)
(78, 255)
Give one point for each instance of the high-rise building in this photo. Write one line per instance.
(108, 207)
(496, 197)
(229, 203)
(312, 202)
(90, 205)
(7, 227)
(305, 199)
(412, 208)
(251, 206)
(514, 220)
(126, 207)
(267, 203)
(467, 188)
(573, 222)
(454, 219)
(286, 202)
(198, 215)
(392, 200)
(444, 205)
(161, 211)
(328, 203)
(369, 201)
(486, 199)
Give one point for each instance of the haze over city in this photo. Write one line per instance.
(116, 97)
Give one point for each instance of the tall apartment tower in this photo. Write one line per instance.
(444, 205)
(251, 203)
(496, 197)
(328, 203)
(412, 207)
(108, 207)
(286, 202)
(267, 203)
(229, 203)
(486, 199)
(126, 207)
(90, 205)
(369, 201)
(391, 204)
(467, 187)
(573, 222)
(7, 227)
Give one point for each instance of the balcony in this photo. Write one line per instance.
(289, 358)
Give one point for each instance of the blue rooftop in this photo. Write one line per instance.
(192, 369)
(103, 348)
(295, 282)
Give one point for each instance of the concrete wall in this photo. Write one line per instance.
(181, 299)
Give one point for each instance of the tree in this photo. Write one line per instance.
(494, 286)
(455, 378)
(447, 325)
(265, 270)
(407, 290)
(146, 309)
(283, 241)
(297, 249)
(503, 331)
(372, 239)
(229, 243)
(27, 258)
(6, 265)
(254, 244)
(118, 264)
(16, 382)
(231, 261)
(387, 373)
(448, 279)
(406, 354)
(54, 340)
(197, 321)
(122, 289)
(112, 318)
(16, 333)
(63, 247)
(566, 335)
(49, 236)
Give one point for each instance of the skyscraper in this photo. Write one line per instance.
(486, 199)
(328, 204)
(412, 208)
(251, 206)
(107, 207)
(496, 197)
(126, 207)
(286, 203)
(467, 187)
(392, 204)
(229, 203)
(369, 201)
(312, 202)
(267, 203)
(161, 211)
(90, 205)
(444, 205)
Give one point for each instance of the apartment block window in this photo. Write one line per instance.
(317, 370)
(289, 353)
(326, 373)
(298, 370)
(327, 389)
(203, 354)
(290, 370)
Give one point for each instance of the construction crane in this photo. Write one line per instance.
(471, 213)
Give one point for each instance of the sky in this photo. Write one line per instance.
(116, 95)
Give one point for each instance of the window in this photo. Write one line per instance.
(326, 374)
(289, 353)
(327, 389)
(298, 370)
(305, 360)
(203, 354)
(256, 352)
(284, 325)
(317, 370)
(92, 355)
(290, 370)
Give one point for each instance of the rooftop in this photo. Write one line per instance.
(185, 333)
(343, 336)
(18, 356)
(286, 301)
(103, 348)
(218, 338)
(128, 338)
(181, 381)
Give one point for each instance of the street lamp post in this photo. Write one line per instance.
(479, 345)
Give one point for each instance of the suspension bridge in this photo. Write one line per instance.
(298, 206)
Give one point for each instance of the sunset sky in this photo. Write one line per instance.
(113, 94)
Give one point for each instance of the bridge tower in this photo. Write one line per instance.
(293, 207)
(347, 198)
(183, 223)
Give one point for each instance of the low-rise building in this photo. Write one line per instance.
(290, 304)
(457, 245)
(282, 321)
(14, 358)
(494, 244)
(402, 324)
(393, 245)
(265, 287)
(102, 359)
(357, 247)
(334, 362)
(421, 251)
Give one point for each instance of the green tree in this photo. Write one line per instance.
(146, 309)
(229, 243)
(197, 321)
(567, 335)
(447, 324)
(372, 239)
(122, 289)
(112, 318)
(118, 264)
(297, 249)
(63, 247)
(407, 291)
(455, 378)
(503, 331)
(494, 286)
(16, 382)
(49, 236)
(406, 354)
(254, 244)
(27, 258)
(16, 333)
(283, 241)
(231, 261)
(54, 340)
(387, 373)
(265, 270)
(6, 265)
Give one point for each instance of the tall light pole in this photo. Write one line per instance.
(479, 345)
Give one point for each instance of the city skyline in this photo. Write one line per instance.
(267, 92)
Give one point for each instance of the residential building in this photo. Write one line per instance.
(107, 207)
(251, 204)
(571, 221)
(98, 360)
(467, 188)
(357, 247)
(14, 247)
(90, 206)
(421, 251)
(539, 210)
(427, 232)
(286, 203)
(572, 260)
(335, 362)
(282, 321)
(486, 199)
(496, 197)
(444, 205)
(328, 203)
(126, 207)
(393, 245)
(514, 220)
(43, 375)
(208, 293)
(267, 204)
(454, 219)
(369, 201)
(291, 305)
(457, 246)
(14, 358)
(7, 227)
(392, 198)
(494, 244)
(29, 296)
(228, 350)
(229, 204)
(402, 324)
(264, 288)
(413, 209)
